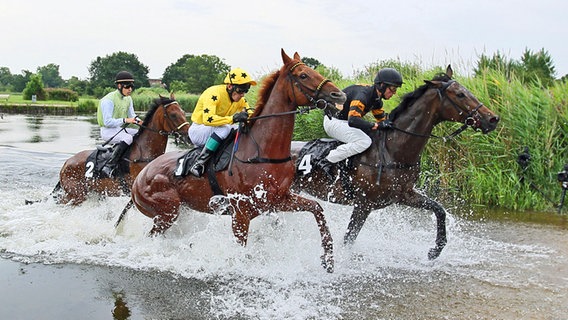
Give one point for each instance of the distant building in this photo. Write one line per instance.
(155, 82)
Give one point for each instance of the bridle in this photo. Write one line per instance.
(469, 121)
(175, 133)
(315, 103)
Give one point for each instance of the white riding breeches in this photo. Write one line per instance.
(354, 139)
(118, 134)
(199, 133)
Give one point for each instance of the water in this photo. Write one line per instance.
(61, 262)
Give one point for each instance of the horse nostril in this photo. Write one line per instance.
(494, 120)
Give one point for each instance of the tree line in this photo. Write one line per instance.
(194, 73)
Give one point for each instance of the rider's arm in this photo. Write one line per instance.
(131, 112)
(355, 116)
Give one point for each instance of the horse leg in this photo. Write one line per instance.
(358, 218)
(422, 202)
(297, 203)
(240, 224)
(163, 222)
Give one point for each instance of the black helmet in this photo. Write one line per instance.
(389, 76)
(124, 76)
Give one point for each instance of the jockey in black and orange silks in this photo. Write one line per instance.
(349, 127)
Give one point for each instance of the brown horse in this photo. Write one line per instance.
(76, 179)
(259, 179)
(386, 173)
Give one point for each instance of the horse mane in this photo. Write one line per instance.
(150, 113)
(265, 91)
(411, 97)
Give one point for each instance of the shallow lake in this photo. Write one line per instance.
(63, 262)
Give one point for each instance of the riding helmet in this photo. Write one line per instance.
(238, 76)
(124, 76)
(389, 76)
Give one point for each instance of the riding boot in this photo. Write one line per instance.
(328, 168)
(209, 149)
(110, 166)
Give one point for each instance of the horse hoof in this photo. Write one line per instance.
(327, 263)
(434, 253)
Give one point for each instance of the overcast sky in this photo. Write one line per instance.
(345, 34)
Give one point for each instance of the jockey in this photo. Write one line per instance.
(348, 125)
(218, 109)
(115, 109)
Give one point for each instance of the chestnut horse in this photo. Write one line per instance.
(386, 173)
(76, 179)
(259, 179)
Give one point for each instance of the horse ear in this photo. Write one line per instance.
(297, 56)
(449, 71)
(172, 96)
(433, 83)
(285, 57)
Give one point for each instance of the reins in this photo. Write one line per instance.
(468, 122)
(315, 104)
(174, 133)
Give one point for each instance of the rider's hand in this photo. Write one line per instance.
(136, 120)
(240, 117)
(385, 125)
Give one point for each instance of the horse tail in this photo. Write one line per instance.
(123, 213)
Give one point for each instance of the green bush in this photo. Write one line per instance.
(86, 106)
(62, 94)
(34, 87)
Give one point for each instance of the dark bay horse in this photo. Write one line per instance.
(260, 177)
(76, 179)
(386, 173)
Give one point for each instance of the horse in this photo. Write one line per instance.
(386, 172)
(77, 177)
(258, 180)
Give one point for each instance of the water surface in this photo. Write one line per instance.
(63, 262)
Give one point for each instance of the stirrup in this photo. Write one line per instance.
(107, 172)
(328, 168)
(197, 170)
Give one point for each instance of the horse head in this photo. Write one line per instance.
(310, 88)
(168, 118)
(460, 105)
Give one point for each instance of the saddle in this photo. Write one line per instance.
(316, 150)
(99, 157)
(218, 162)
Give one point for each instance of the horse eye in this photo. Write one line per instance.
(303, 76)
(461, 95)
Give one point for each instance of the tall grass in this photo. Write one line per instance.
(483, 169)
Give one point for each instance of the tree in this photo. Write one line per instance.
(194, 74)
(533, 67)
(498, 63)
(50, 76)
(34, 87)
(538, 67)
(103, 70)
(311, 62)
(80, 86)
(19, 81)
(5, 79)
